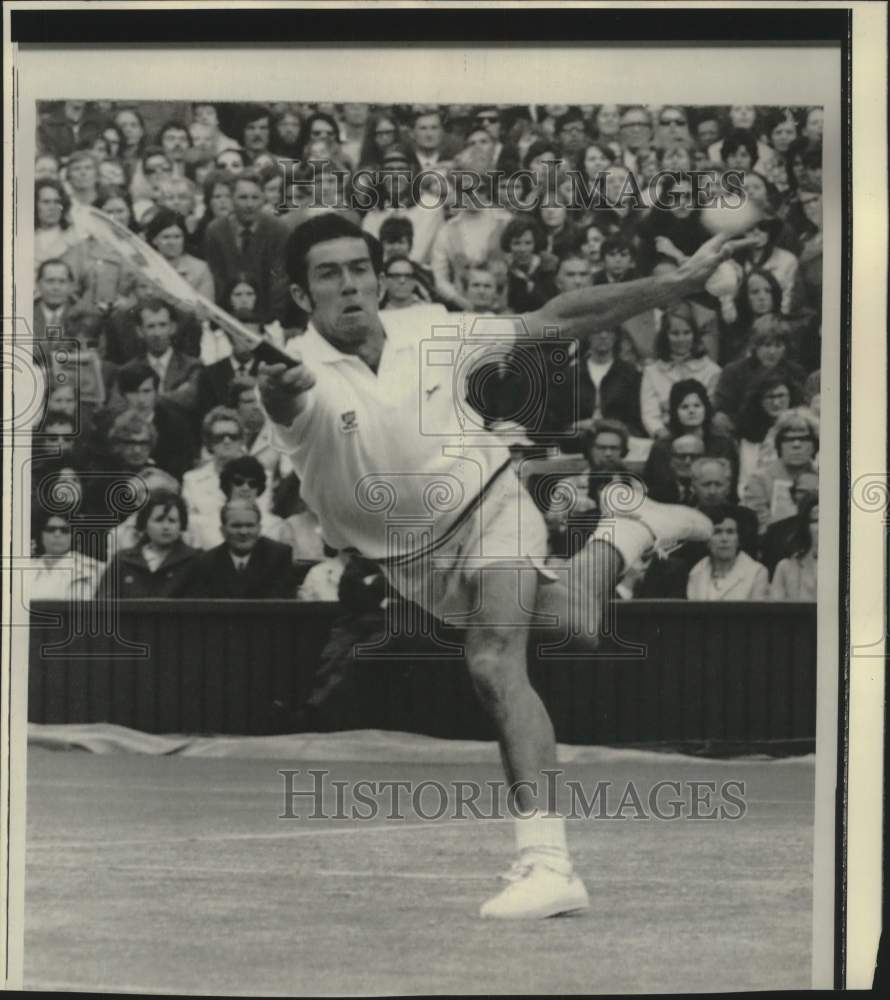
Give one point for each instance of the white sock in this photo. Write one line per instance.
(543, 836)
(630, 538)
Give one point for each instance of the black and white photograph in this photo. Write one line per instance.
(428, 511)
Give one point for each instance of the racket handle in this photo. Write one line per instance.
(268, 353)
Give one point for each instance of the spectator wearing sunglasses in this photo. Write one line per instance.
(223, 436)
(505, 157)
(56, 572)
(673, 128)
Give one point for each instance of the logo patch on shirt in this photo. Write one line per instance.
(348, 422)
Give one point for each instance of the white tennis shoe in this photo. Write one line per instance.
(670, 524)
(535, 891)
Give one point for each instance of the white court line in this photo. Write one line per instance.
(395, 827)
(297, 873)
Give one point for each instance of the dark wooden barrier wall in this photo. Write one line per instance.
(712, 674)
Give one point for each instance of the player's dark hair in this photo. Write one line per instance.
(322, 229)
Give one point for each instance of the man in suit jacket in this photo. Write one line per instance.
(55, 286)
(249, 242)
(246, 565)
(178, 373)
(431, 144)
(215, 381)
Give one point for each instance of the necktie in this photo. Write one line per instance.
(245, 240)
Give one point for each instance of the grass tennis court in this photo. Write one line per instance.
(175, 874)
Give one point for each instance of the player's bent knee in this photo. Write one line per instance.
(496, 680)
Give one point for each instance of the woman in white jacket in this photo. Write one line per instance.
(726, 573)
(680, 354)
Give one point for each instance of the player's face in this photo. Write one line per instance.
(163, 528)
(691, 411)
(343, 291)
(724, 543)
(241, 529)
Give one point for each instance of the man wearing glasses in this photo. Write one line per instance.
(571, 130)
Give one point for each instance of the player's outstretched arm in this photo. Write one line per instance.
(285, 391)
(579, 313)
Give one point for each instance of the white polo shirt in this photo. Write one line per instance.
(389, 461)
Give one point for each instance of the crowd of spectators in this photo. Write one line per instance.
(153, 429)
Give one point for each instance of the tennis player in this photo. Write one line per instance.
(373, 418)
